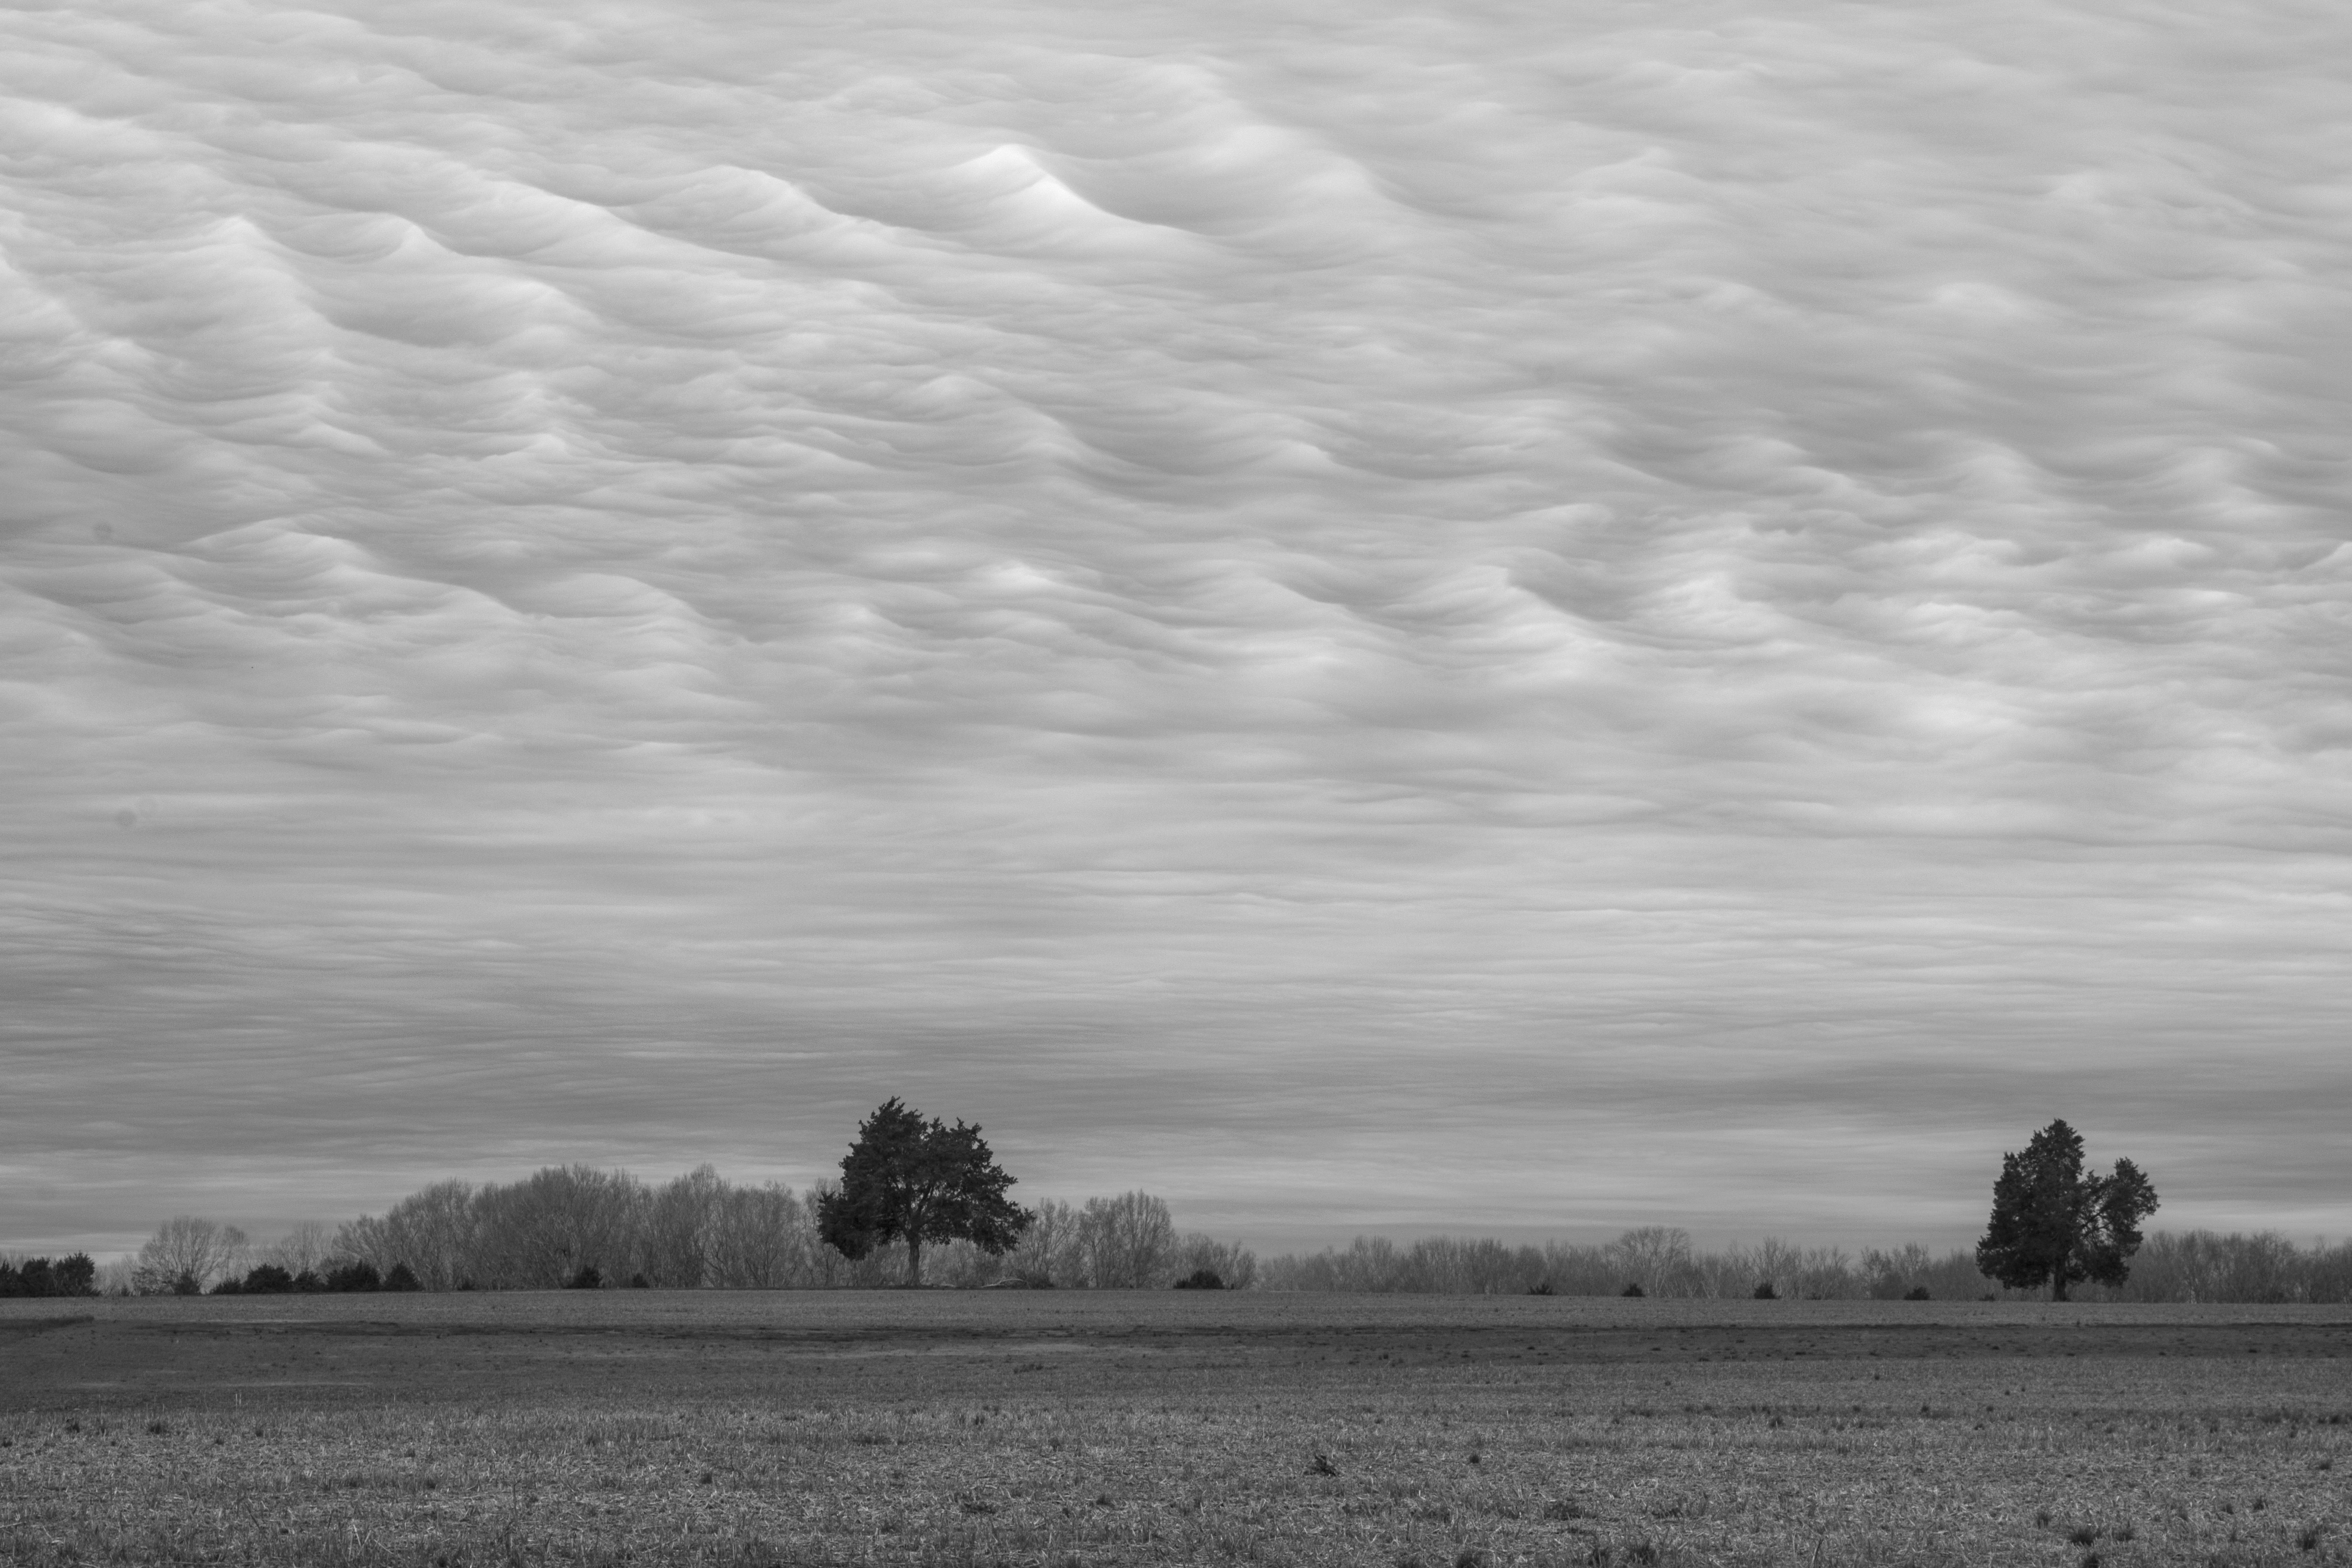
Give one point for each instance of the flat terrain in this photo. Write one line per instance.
(1065, 1428)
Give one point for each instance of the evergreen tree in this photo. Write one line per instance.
(2054, 1224)
(908, 1180)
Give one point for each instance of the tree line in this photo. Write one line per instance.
(574, 1226)
(2192, 1266)
(911, 1188)
(2189, 1266)
(73, 1275)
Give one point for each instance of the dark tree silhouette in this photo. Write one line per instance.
(68, 1276)
(357, 1274)
(2054, 1224)
(918, 1182)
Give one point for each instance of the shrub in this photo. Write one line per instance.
(1917, 1293)
(308, 1282)
(639, 1282)
(590, 1277)
(1540, 1287)
(227, 1287)
(1201, 1279)
(1764, 1291)
(1635, 1288)
(358, 1275)
(401, 1278)
(267, 1280)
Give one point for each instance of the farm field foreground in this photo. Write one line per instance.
(1109, 1428)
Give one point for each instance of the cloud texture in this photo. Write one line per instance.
(1358, 616)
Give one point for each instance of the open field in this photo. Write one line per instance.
(1101, 1429)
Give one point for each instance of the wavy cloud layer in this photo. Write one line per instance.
(1357, 617)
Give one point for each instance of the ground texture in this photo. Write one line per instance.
(1084, 1428)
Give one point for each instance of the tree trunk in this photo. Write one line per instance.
(914, 1259)
(2058, 1286)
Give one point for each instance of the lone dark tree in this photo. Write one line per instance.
(918, 1182)
(2054, 1224)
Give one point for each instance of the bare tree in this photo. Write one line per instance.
(186, 1255)
(307, 1247)
(1127, 1242)
(1234, 1265)
(680, 1219)
(436, 1231)
(543, 1230)
(1048, 1253)
(761, 1238)
(1657, 1257)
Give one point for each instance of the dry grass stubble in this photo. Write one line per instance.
(1117, 1430)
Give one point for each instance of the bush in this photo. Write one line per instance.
(1201, 1279)
(269, 1279)
(639, 1282)
(589, 1278)
(1634, 1290)
(1917, 1293)
(358, 1275)
(401, 1278)
(308, 1283)
(227, 1287)
(1764, 1291)
(1541, 1288)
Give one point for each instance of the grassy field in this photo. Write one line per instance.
(1063, 1428)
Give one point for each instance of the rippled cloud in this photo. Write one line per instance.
(1403, 618)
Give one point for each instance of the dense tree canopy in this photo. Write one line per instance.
(2055, 1224)
(70, 1276)
(918, 1182)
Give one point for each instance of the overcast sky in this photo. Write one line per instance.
(1491, 616)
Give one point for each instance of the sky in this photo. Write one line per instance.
(1492, 617)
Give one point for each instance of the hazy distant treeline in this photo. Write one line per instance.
(574, 1224)
(701, 1230)
(1653, 1261)
(2196, 1266)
